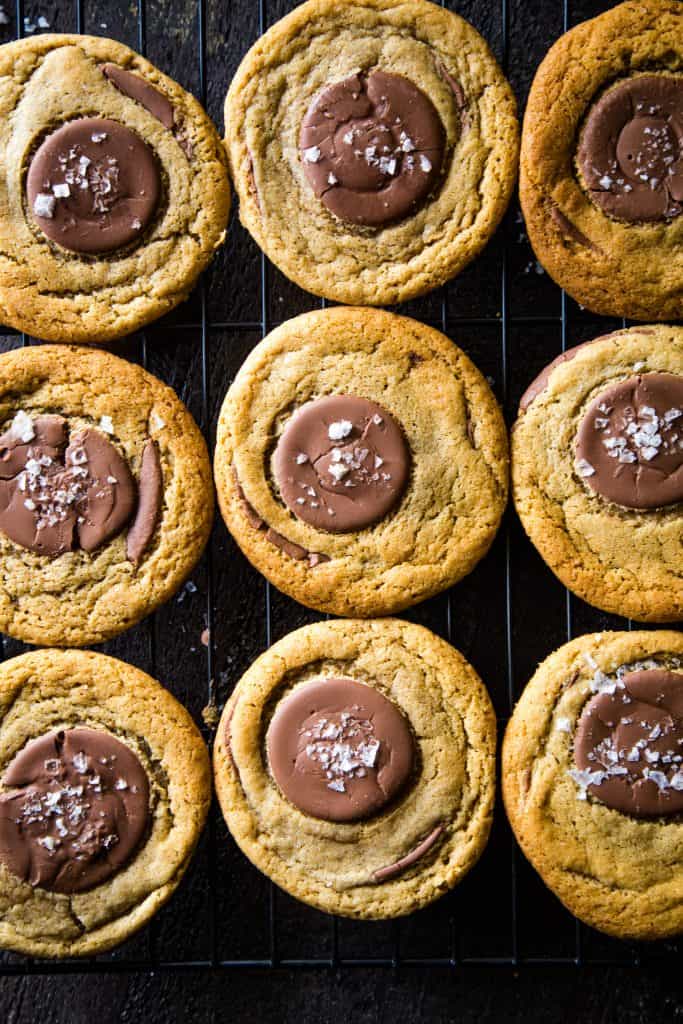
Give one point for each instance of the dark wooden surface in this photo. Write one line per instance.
(508, 615)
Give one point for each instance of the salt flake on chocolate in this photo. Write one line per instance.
(339, 430)
(22, 427)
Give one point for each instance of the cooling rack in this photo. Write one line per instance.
(505, 617)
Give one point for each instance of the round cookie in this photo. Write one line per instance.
(114, 194)
(104, 789)
(355, 766)
(361, 461)
(592, 780)
(597, 470)
(106, 499)
(601, 176)
(373, 145)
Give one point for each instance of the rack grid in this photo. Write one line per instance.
(505, 617)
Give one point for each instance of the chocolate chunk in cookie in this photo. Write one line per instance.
(631, 149)
(93, 185)
(60, 491)
(372, 147)
(340, 750)
(629, 446)
(75, 810)
(342, 463)
(629, 744)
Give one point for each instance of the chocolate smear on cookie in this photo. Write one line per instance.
(150, 497)
(628, 745)
(629, 445)
(74, 811)
(372, 148)
(392, 870)
(342, 463)
(570, 230)
(138, 89)
(93, 186)
(339, 750)
(152, 99)
(294, 551)
(630, 151)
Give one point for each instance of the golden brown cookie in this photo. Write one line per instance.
(104, 791)
(601, 180)
(597, 471)
(373, 145)
(361, 461)
(114, 192)
(106, 498)
(355, 766)
(593, 784)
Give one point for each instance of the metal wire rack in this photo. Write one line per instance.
(506, 617)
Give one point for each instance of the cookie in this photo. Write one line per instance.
(592, 772)
(104, 789)
(114, 192)
(373, 168)
(601, 177)
(355, 766)
(597, 470)
(361, 461)
(106, 499)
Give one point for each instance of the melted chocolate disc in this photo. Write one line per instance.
(339, 750)
(629, 446)
(372, 147)
(76, 810)
(93, 185)
(631, 149)
(342, 463)
(58, 492)
(628, 746)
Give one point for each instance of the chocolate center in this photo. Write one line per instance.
(342, 463)
(59, 492)
(628, 746)
(630, 152)
(93, 185)
(372, 147)
(629, 446)
(76, 811)
(339, 750)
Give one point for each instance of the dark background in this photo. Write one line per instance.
(229, 946)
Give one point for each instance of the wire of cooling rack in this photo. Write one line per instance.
(203, 327)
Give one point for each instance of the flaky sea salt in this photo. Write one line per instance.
(21, 428)
(44, 205)
(584, 468)
(340, 429)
